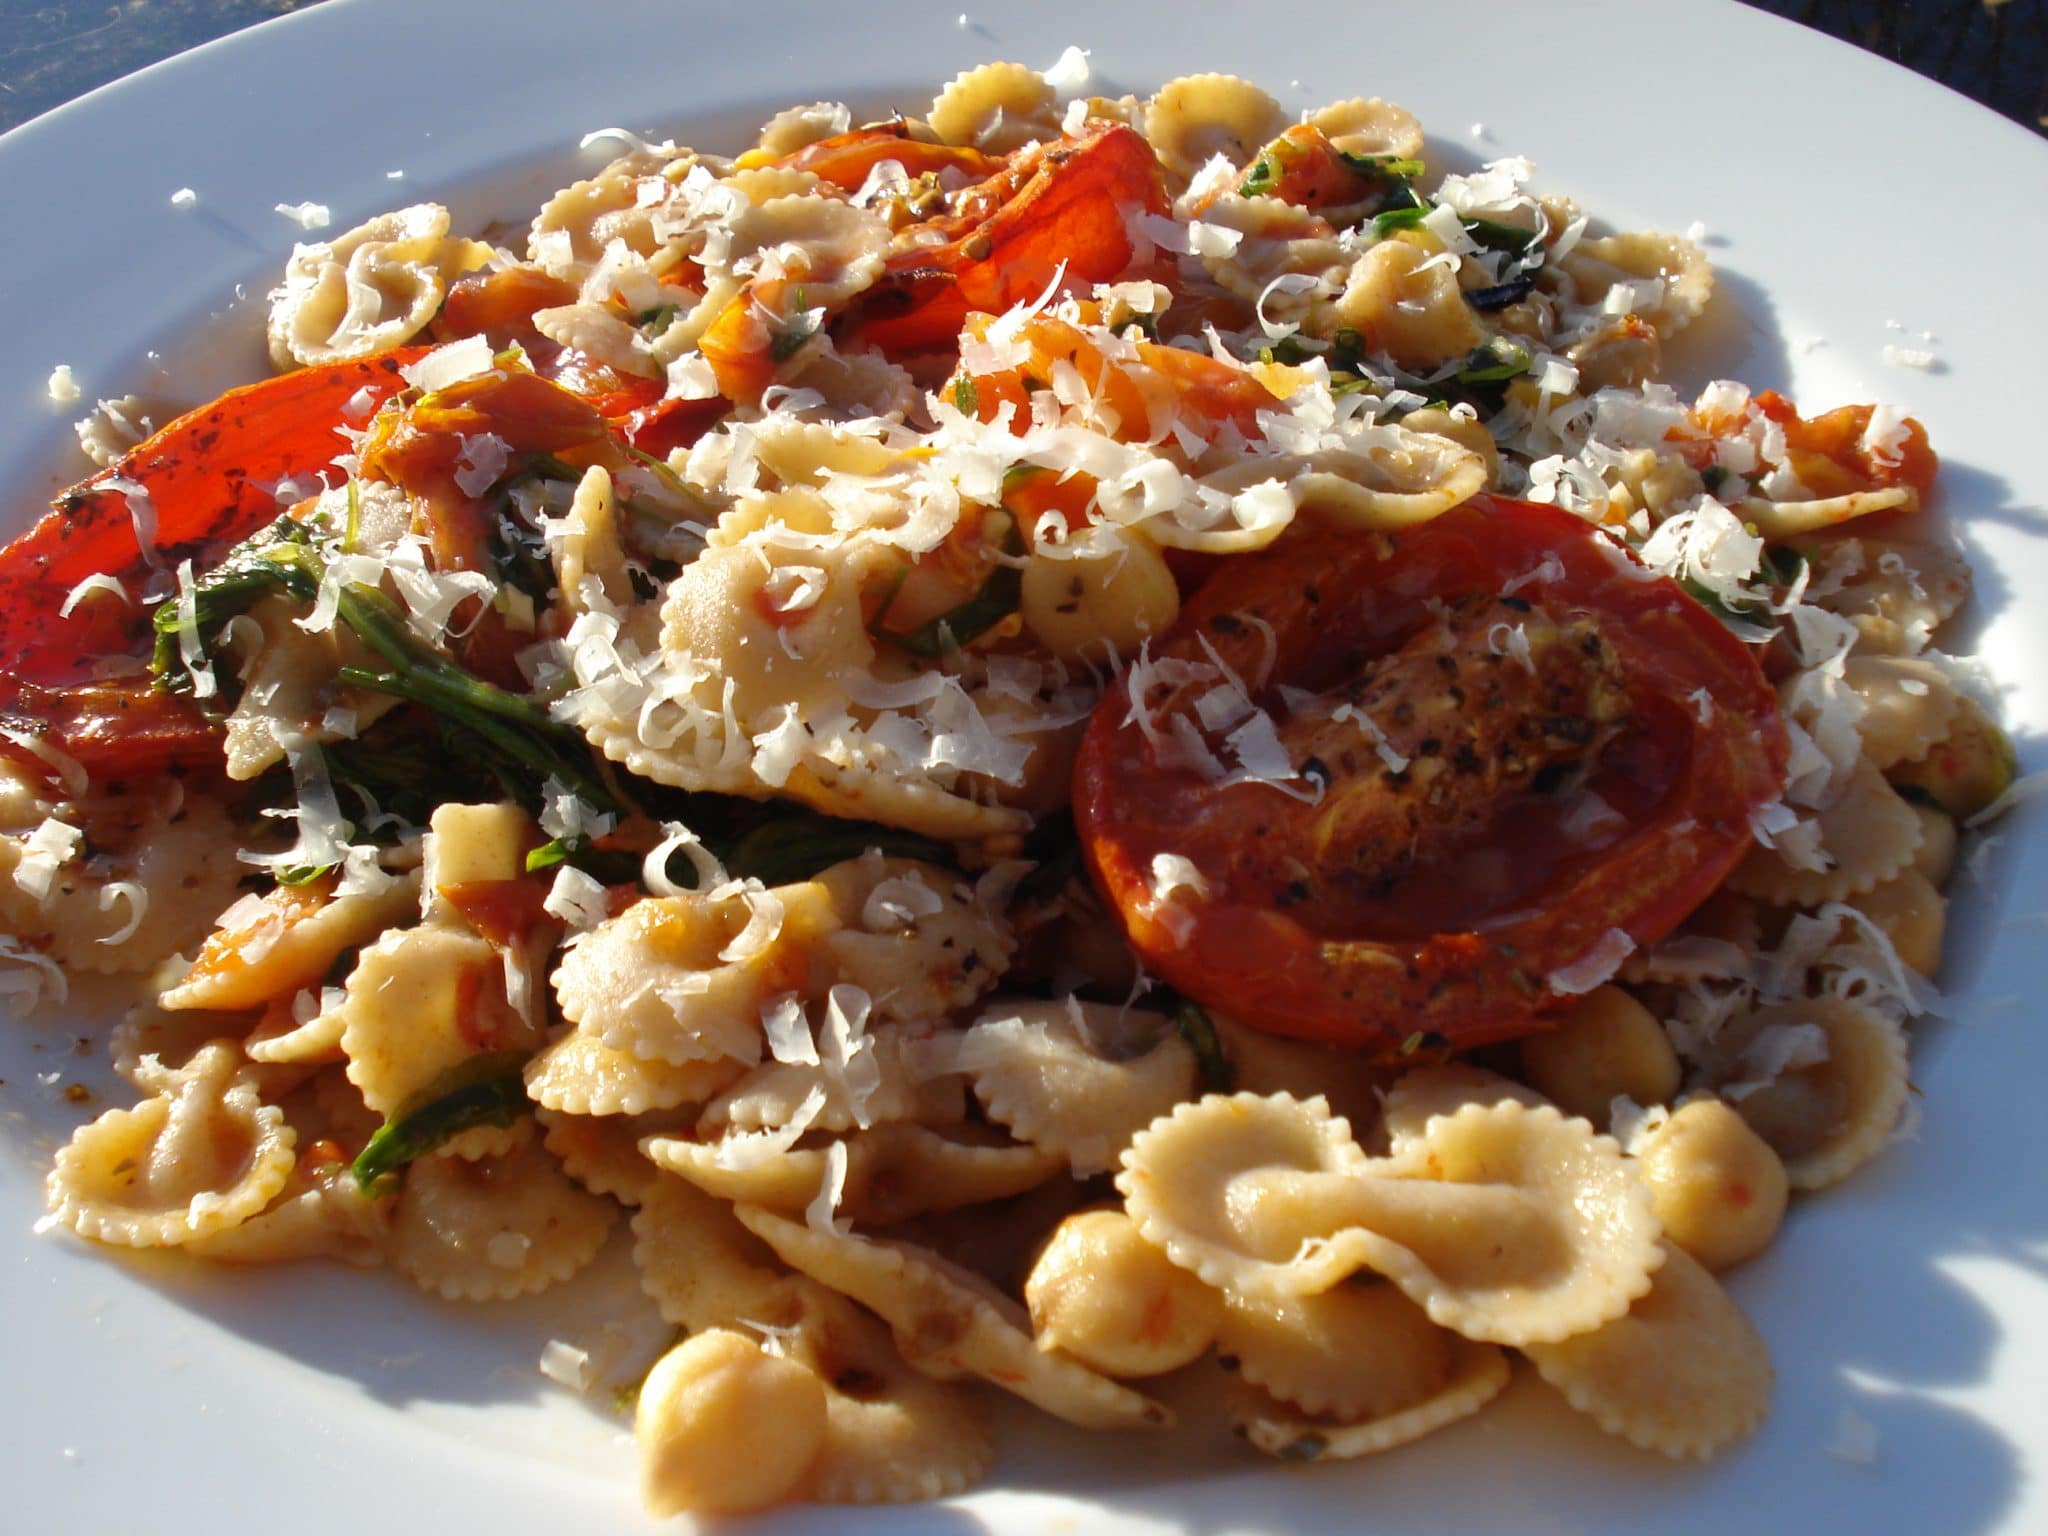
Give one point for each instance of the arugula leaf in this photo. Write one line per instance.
(485, 1090)
(957, 626)
(278, 558)
(966, 395)
(796, 847)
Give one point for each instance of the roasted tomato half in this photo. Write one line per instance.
(1515, 754)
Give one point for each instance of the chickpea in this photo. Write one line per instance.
(1116, 593)
(699, 1420)
(1912, 914)
(1605, 1044)
(1110, 1299)
(1715, 1184)
(1936, 856)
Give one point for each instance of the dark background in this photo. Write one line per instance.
(1993, 50)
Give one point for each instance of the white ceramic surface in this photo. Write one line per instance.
(1842, 197)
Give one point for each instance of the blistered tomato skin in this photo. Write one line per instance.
(1524, 752)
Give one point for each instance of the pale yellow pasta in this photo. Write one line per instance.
(1191, 119)
(1393, 479)
(203, 1155)
(602, 1152)
(1789, 519)
(758, 184)
(492, 1228)
(893, 1171)
(418, 1003)
(1477, 1375)
(1104, 601)
(287, 940)
(1671, 276)
(1896, 591)
(793, 127)
(1967, 769)
(1603, 1046)
(177, 868)
(1407, 305)
(280, 1036)
(1911, 914)
(651, 982)
(1935, 859)
(1908, 705)
(698, 1420)
(996, 108)
(876, 1089)
(1867, 835)
(321, 1213)
(289, 675)
(698, 1265)
(1185, 1178)
(1078, 1079)
(578, 1074)
(150, 1040)
(892, 1433)
(1360, 1350)
(368, 290)
(912, 936)
(950, 1323)
(1717, 1187)
(1101, 1293)
(573, 228)
(1824, 1117)
(1420, 1095)
(1370, 126)
(1683, 1373)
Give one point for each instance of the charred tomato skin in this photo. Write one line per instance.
(1277, 939)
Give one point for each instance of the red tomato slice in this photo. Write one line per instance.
(1505, 780)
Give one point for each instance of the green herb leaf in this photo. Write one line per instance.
(1200, 1033)
(796, 847)
(966, 395)
(958, 626)
(658, 319)
(484, 1090)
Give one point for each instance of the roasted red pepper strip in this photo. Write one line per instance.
(208, 476)
(1506, 783)
(1064, 203)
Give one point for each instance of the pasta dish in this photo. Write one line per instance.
(1074, 741)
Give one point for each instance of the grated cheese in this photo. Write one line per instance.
(578, 899)
(44, 851)
(62, 386)
(137, 897)
(1594, 967)
(308, 216)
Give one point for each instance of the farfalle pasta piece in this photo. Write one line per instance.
(1284, 259)
(950, 1323)
(419, 1002)
(273, 945)
(1078, 1079)
(997, 108)
(145, 898)
(1370, 126)
(793, 127)
(492, 1228)
(1503, 1222)
(575, 226)
(1822, 1079)
(656, 982)
(893, 1172)
(1191, 119)
(1896, 591)
(912, 936)
(1909, 705)
(1182, 1176)
(1419, 1096)
(698, 1265)
(876, 1089)
(1868, 833)
(1683, 1374)
(578, 1074)
(602, 1152)
(1476, 1375)
(1912, 914)
(321, 1213)
(1391, 479)
(1360, 1350)
(1671, 276)
(203, 1155)
(368, 290)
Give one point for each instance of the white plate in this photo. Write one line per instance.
(1842, 195)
